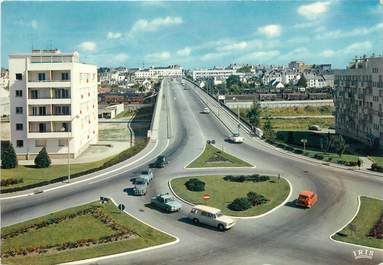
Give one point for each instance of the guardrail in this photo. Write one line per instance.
(154, 126)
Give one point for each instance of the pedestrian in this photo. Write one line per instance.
(359, 163)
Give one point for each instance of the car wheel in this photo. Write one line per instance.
(196, 221)
(221, 227)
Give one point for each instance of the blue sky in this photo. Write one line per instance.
(196, 34)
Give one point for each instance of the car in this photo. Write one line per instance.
(235, 138)
(140, 186)
(306, 199)
(166, 202)
(160, 162)
(210, 216)
(205, 111)
(147, 174)
(314, 128)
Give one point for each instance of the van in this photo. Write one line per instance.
(210, 216)
(306, 199)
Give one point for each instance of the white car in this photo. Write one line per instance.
(210, 216)
(205, 111)
(236, 138)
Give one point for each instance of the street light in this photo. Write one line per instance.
(239, 124)
(63, 129)
(304, 141)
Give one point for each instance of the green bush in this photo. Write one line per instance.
(298, 151)
(240, 204)
(376, 167)
(42, 160)
(342, 162)
(195, 185)
(256, 199)
(10, 181)
(318, 156)
(243, 178)
(351, 163)
(8, 157)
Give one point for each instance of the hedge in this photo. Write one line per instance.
(377, 168)
(195, 185)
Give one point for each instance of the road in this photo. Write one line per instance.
(286, 236)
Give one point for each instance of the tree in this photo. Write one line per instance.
(233, 80)
(339, 145)
(268, 132)
(253, 115)
(302, 82)
(8, 157)
(42, 159)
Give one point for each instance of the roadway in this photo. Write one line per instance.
(286, 236)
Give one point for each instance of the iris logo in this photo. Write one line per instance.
(363, 253)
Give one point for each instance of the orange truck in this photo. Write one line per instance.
(306, 199)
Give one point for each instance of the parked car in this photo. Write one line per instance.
(147, 174)
(140, 186)
(210, 216)
(306, 199)
(235, 138)
(205, 111)
(314, 128)
(166, 202)
(160, 162)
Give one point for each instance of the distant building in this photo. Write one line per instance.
(53, 101)
(213, 73)
(315, 80)
(159, 72)
(359, 100)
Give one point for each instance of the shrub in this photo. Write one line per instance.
(42, 160)
(240, 204)
(376, 167)
(256, 199)
(195, 185)
(298, 151)
(243, 178)
(351, 163)
(8, 157)
(318, 156)
(342, 162)
(10, 181)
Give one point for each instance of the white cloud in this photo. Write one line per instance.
(34, 24)
(121, 57)
(184, 52)
(358, 47)
(361, 31)
(327, 53)
(213, 55)
(234, 46)
(113, 35)
(262, 56)
(143, 25)
(158, 56)
(271, 30)
(87, 46)
(314, 10)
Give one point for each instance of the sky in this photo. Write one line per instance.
(196, 34)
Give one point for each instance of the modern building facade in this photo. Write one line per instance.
(213, 73)
(53, 102)
(359, 100)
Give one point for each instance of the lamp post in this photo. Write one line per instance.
(239, 124)
(304, 141)
(68, 136)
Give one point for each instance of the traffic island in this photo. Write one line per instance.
(366, 229)
(239, 196)
(83, 232)
(214, 157)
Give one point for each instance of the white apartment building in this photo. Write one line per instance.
(359, 100)
(315, 80)
(213, 73)
(159, 72)
(53, 101)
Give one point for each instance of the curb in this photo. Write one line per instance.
(239, 217)
(352, 218)
(128, 252)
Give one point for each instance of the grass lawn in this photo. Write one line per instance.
(223, 192)
(214, 157)
(357, 231)
(85, 227)
(299, 123)
(32, 175)
(125, 114)
(377, 159)
(298, 111)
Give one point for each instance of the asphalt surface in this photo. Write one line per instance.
(286, 236)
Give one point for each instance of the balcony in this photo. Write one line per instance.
(48, 134)
(48, 83)
(49, 100)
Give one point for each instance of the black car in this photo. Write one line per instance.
(160, 162)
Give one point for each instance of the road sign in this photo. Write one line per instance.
(206, 197)
(121, 207)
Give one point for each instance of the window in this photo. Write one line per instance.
(35, 94)
(19, 143)
(19, 110)
(19, 93)
(62, 142)
(64, 76)
(19, 126)
(41, 143)
(19, 76)
(41, 76)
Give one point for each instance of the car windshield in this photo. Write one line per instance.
(219, 214)
(169, 200)
(140, 181)
(236, 134)
(145, 172)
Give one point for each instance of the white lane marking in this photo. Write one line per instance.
(129, 252)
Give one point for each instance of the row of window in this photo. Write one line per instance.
(41, 143)
(42, 76)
